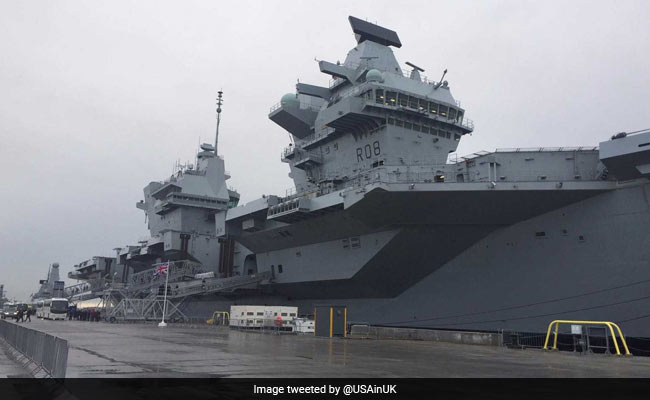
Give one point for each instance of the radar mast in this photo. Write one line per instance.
(219, 103)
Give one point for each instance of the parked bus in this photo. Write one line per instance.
(53, 309)
(9, 310)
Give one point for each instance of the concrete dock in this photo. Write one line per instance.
(100, 349)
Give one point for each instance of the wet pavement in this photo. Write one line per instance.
(9, 368)
(99, 349)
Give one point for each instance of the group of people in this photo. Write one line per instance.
(84, 314)
(25, 315)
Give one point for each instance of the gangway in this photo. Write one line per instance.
(214, 285)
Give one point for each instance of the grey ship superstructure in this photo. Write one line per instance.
(50, 287)
(383, 222)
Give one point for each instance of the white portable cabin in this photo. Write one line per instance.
(262, 316)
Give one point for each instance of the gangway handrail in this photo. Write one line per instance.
(609, 324)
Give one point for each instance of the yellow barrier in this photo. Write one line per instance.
(608, 324)
(225, 317)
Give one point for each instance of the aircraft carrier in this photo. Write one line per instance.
(385, 222)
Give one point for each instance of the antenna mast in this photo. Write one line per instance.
(219, 103)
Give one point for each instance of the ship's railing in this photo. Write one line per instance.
(399, 72)
(303, 106)
(544, 149)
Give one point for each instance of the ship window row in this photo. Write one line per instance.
(424, 128)
(391, 98)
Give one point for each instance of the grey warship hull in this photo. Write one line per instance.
(519, 261)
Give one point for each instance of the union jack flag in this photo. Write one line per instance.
(160, 270)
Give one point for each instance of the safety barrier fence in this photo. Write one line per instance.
(47, 353)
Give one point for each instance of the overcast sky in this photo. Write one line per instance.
(97, 99)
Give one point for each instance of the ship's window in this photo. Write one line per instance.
(399, 122)
(336, 146)
(443, 110)
(380, 96)
(402, 99)
(391, 121)
(459, 116)
(355, 242)
(433, 108)
(425, 129)
(448, 135)
(408, 125)
(452, 113)
(346, 243)
(413, 102)
(456, 137)
(540, 234)
(416, 127)
(391, 98)
(581, 238)
(439, 178)
(279, 268)
(423, 105)
(441, 133)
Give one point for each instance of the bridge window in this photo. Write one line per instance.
(413, 102)
(423, 105)
(433, 108)
(452, 113)
(408, 125)
(402, 99)
(399, 122)
(379, 98)
(279, 268)
(540, 234)
(439, 178)
(456, 137)
(425, 129)
(443, 110)
(391, 98)
(459, 116)
(355, 242)
(391, 121)
(416, 127)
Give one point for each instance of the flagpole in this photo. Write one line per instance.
(162, 323)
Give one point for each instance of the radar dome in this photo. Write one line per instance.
(374, 76)
(289, 100)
